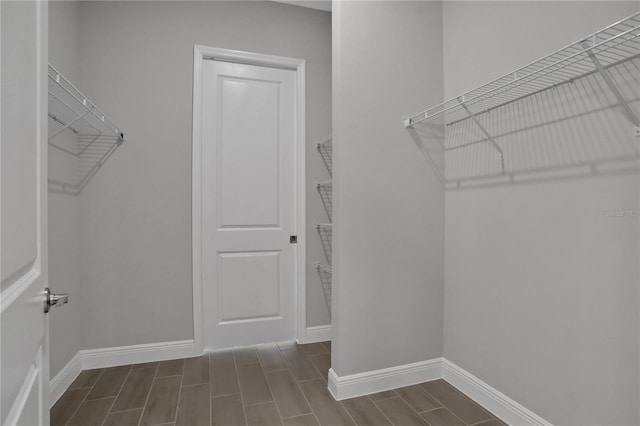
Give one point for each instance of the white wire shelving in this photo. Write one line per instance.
(81, 135)
(325, 190)
(325, 230)
(325, 272)
(325, 148)
(552, 113)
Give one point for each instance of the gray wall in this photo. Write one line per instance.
(541, 287)
(388, 205)
(64, 254)
(136, 61)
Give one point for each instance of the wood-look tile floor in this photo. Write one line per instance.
(272, 384)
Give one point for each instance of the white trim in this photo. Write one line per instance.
(61, 382)
(487, 396)
(490, 398)
(320, 333)
(134, 354)
(113, 357)
(200, 53)
(384, 379)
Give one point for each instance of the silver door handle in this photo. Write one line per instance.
(51, 299)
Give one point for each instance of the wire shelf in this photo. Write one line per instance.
(325, 231)
(325, 273)
(612, 45)
(325, 149)
(325, 189)
(81, 136)
(569, 109)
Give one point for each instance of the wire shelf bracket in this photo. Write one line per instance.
(80, 131)
(483, 130)
(325, 272)
(612, 86)
(325, 149)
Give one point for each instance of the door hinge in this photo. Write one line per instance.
(293, 239)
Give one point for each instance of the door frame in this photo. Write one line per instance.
(201, 54)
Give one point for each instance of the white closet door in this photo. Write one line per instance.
(24, 390)
(249, 204)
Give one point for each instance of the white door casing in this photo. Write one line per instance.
(24, 358)
(247, 132)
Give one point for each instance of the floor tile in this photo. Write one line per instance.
(322, 362)
(92, 412)
(145, 365)
(224, 377)
(365, 412)
(492, 422)
(221, 354)
(263, 415)
(67, 405)
(253, 385)
(383, 395)
(194, 407)
(124, 418)
(306, 420)
(135, 390)
(418, 398)
(271, 358)
(288, 397)
(299, 364)
(196, 371)
(399, 412)
(163, 401)
(110, 382)
(441, 417)
(246, 356)
(227, 411)
(458, 403)
(86, 378)
(172, 367)
(328, 411)
(314, 349)
(231, 388)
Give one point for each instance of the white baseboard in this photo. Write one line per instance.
(489, 397)
(112, 357)
(318, 334)
(385, 379)
(59, 384)
(123, 355)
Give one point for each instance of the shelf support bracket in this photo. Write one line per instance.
(612, 86)
(68, 125)
(484, 131)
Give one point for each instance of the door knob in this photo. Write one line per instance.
(51, 299)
